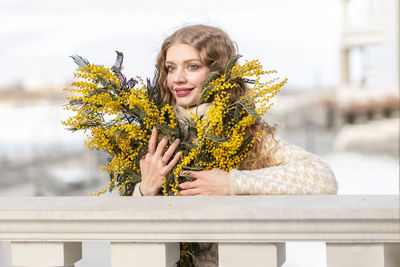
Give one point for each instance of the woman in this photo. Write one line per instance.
(272, 167)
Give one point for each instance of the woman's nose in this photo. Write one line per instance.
(180, 76)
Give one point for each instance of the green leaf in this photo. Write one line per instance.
(245, 80)
(164, 129)
(97, 91)
(232, 61)
(73, 102)
(193, 168)
(137, 114)
(218, 139)
(118, 62)
(245, 143)
(136, 176)
(214, 66)
(80, 61)
(127, 175)
(153, 88)
(250, 110)
(211, 77)
(205, 92)
(236, 116)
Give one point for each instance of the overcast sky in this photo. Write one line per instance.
(300, 39)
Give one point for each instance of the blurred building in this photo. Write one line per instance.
(366, 101)
(361, 113)
(369, 57)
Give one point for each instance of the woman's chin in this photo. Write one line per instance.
(185, 104)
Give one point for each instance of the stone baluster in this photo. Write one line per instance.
(251, 254)
(366, 255)
(144, 254)
(45, 254)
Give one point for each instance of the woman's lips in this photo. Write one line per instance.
(181, 92)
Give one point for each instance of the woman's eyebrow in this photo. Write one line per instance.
(187, 60)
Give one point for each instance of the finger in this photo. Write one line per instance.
(174, 161)
(170, 150)
(153, 141)
(161, 146)
(188, 185)
(190, 192)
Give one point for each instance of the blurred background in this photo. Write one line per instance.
(341, 101)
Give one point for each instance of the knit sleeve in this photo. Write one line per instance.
(136, 191)
(298, 172)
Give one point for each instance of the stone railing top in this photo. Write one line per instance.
(202, 219)
(201, 207)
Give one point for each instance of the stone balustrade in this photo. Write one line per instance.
(250, 230)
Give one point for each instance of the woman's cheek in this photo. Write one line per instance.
(169, 84)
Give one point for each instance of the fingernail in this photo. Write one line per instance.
(177, 140)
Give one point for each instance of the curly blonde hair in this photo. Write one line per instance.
(214, 45)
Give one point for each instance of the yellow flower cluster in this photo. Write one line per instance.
(89, 106)
(167, 116)
(216, 114)
(249, 69)
(226, 154)
(99, 110)
(95, 73)
(219, 85)
(262, 92)
(141, 101)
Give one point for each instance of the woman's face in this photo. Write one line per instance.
(186, 74)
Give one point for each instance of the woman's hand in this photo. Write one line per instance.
(154, 165)
(212, 182)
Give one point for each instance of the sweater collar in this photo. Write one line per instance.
(183, 113)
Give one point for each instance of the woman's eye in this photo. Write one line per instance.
(193, 67)
(170, 68)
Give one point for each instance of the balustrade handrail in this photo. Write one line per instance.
(332, 218)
